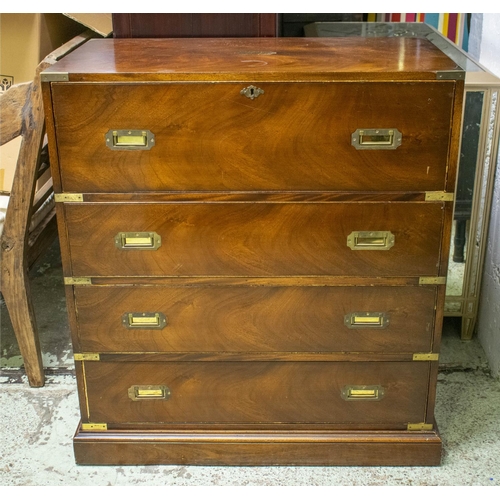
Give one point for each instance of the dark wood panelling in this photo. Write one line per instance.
(162, 25)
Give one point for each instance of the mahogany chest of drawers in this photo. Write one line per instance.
(255, 238)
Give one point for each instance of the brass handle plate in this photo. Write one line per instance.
(129, 140)
(366, 320)
(376, 138)
(148, 392)
(138, 241)
(145, 320)
(362, 392)
(370, 240)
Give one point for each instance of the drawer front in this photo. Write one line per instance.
(243, 392)
(254, 319)
(255, 239)
(295, 136)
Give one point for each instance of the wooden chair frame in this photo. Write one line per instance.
(21, 114)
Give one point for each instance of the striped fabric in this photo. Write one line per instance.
(453, 26)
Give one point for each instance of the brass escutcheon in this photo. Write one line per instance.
(251, 92)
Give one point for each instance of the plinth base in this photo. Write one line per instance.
(250, 447)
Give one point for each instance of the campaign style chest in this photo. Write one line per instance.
(255, 238)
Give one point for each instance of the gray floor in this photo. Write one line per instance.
(37, 425)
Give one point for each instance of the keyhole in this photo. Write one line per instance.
(251, 92)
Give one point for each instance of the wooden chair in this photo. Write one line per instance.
(30, 225)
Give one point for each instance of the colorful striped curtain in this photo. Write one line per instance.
(453, 26)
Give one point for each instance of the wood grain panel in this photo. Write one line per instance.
(293, 137)
(255, 319)
(234, 239)
(257, 392)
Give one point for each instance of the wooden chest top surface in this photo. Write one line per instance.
(271, 59)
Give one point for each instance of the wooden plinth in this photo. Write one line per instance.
(253, 448)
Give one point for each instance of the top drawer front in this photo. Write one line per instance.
(294, 136)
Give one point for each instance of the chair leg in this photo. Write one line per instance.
(14, 239)
(16, 293)
(14, 265)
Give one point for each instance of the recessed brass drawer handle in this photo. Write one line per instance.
(366, 320)
(149, 321)
(138, 241)
(129, 140)
(362, 392)
(148, 392)
(376, 138)
(370, 240)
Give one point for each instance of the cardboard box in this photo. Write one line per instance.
(25, 39)
(100, 23)
(8, 160)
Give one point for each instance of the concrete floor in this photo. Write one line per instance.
(37, 425)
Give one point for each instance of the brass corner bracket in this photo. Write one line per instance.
(420, 426)
(86, 356)
(94, 427)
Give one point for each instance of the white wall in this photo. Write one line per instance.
(485, 46)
